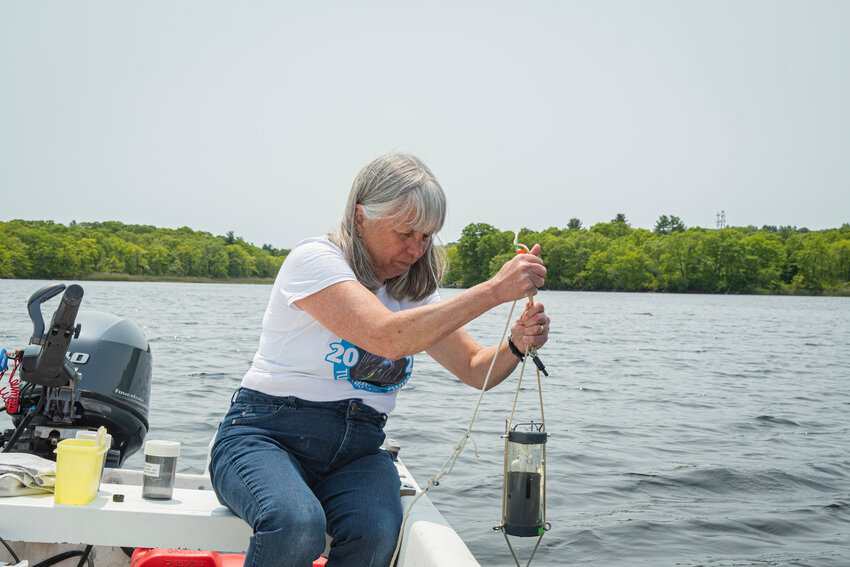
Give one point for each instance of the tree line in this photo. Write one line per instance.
(670, 258)
(48, 250)
(607, 256)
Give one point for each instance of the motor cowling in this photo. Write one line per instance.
(111, 365)
(113, 355)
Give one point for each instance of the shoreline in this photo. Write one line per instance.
(108, 277)
(102, 277)
(115, 277)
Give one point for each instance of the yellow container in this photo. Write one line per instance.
(79, 463)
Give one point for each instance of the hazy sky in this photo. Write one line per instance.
(256, 116)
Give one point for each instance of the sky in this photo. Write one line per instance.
(255, 117)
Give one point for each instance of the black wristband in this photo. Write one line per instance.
(515, 350)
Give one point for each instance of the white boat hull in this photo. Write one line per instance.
(37, 528)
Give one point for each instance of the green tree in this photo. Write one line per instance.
(629, 270)
(725, 269)
(265, 264)
(571, 258)
(841, 253)
(240, 264)
(610, 255)
(669, 225)
(662, 225)
(219, 265)
(618, 227)
(190, 260)
(14, 260)
(765, 254)
(623, 266)
(675, 260)
(454, 275)
(159, 259)
(814, 258)
(474, 254)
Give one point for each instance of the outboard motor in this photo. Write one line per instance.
(87, 370)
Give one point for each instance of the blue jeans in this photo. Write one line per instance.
(295, 469)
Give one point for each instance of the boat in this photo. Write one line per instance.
(119, 521)
(87, 370)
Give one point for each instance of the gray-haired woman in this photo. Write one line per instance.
(298, 453)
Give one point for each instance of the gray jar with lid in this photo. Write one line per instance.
(160, 469)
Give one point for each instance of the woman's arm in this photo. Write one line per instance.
(353, 313)
(462, 356)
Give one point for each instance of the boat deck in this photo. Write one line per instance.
(119, 516)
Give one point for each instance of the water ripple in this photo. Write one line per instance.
(686, 430)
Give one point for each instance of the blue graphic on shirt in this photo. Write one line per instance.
(367, 371)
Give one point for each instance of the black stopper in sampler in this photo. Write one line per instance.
(539, 364)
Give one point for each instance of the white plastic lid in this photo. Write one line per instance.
(92, 436)
(157, 448)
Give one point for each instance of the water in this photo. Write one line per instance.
(685, 429)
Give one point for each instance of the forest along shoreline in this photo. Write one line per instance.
(611, 256)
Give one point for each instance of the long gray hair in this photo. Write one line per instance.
(394, 185)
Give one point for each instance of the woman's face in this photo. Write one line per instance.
(391, 244)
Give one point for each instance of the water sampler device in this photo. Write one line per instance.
(524, 487)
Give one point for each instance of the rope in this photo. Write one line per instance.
(458, 449)
(511, 548)
(529, 351)
(505, 473)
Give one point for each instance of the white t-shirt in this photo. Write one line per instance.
(299, 357)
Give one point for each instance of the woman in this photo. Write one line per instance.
(298, 454)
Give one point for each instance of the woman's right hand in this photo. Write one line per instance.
(520, 277)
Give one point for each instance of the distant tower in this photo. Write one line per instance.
(721, 220)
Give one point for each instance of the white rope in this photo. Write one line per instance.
(501, 528)
(458, 449)
(529, 351)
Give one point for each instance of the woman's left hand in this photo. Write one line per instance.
(531, 329)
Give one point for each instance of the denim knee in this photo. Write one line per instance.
(384, 528)
(371, 542)
(280, 537)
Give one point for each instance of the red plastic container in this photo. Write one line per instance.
(191, 558)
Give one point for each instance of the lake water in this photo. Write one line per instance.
(685, 429)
